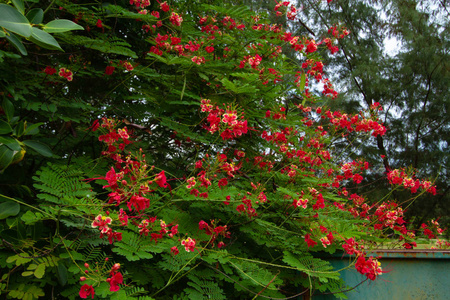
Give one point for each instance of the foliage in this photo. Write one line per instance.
(180, 150)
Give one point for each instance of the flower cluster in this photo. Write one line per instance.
(370, 267)
(130, 183)
(355, 122)
(214, 231)
(227, 121)
(66, 73)
(145, 228)
(63, 72)
(176, 19)
(189, 244)
(432, 230)
(87, 290)
(400, 177)
(115, 279)
(219, 165)
(102, 223)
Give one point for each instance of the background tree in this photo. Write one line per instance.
(397, 56)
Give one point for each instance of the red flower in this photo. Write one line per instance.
(189, 244)
(309, 241)
(109, 70)
(114, 282)
(63, 72)
(176, 19)
(87, 290)
(175, 40)
(99, 23)
(164, 6)
(202, 225)
(407, 246)
(95, 125)
(49, 70)
(311, 47)
(174, 250)
(370, 267)
(222, 182)
(161, 180)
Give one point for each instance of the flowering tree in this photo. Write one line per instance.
(192, 155)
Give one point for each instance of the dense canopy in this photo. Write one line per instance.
(198, 149)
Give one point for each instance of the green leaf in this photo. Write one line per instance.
(203, 76)
(14, 21)
(10, 142)
(61, 26)
(39, 147)
(19, 259)
(33, 129)
(35, 16)
(18, 130)
(44, 39)
(27, 273)
(5, 128)
(9, 209)
(2, 34)
(14, 40)
(40, 271)
(50, 107)
(6, 157)
(30, 217)
(62, 274)
(19, 5)
(302, 84)
(8, 108)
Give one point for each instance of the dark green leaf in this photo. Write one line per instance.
(19, 5)
(33, 129)
(12, 20)
(35, 16)
(5, 127)
(6, 157)
(62, 274)
(18, 130)
(8, 209)
(39, 147)
(12, 38)
(10, 142)
(8, 108)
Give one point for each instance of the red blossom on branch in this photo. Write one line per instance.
(87, 290)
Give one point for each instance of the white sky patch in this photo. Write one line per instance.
(392, 46)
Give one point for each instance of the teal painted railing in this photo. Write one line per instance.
(408, 275)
